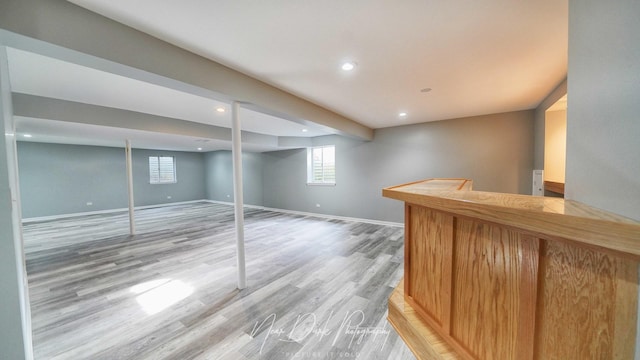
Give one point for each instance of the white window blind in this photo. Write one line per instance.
(321, 165)
(162, 170)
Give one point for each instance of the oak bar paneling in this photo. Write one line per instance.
(431, 235)
(486, 287)
(585, 282)
(500, 276)
(528, 296)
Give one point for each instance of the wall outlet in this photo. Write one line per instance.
(317, 205)
(89, 203)
(169, 197)
(538, 183)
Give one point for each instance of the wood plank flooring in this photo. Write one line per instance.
(317, 288)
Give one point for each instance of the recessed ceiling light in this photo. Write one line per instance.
(348, 65)
(27, 135)
(304, 130)
(425, 90)
(199, 149)
(403, 114)
(220, 109)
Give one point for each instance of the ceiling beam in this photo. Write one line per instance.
(38, 107)
(31, 106)
(67, 25)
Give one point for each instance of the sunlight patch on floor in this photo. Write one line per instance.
(158, 295)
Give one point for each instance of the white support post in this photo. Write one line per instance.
(132, 221)
(15, 312)
(237, 192)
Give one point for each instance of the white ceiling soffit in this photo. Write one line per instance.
(62, 132)
(559, 105)
(478, 57)
(39, 75)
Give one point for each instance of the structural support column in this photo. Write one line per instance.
(15, 314)
(237, 192)
(132, 221)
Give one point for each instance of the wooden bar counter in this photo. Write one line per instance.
(504, 276)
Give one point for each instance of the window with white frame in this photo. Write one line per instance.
(321, 165)
(162, 170)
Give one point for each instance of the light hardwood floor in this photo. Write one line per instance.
(317, 288)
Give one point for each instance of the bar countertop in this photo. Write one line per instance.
(566, 219)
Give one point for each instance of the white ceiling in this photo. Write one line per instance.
(44, 76)
(40, 75)
(479, 57)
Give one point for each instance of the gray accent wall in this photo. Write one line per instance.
(496, 151)
(190, 172)
(603, 114)
(58, 179)
(219, 177)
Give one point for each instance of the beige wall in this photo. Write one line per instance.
(540, 115)
(555, 145)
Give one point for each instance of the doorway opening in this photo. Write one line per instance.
(555, 148)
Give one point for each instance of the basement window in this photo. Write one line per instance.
(321, 165)
(162, 170)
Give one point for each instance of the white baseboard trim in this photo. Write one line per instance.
(108, 211)
(323, 216)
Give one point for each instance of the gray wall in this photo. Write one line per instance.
(60, 179)
(496, 151)
(219, 177)
(603, 116)
(190, 172)
(603, 124)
